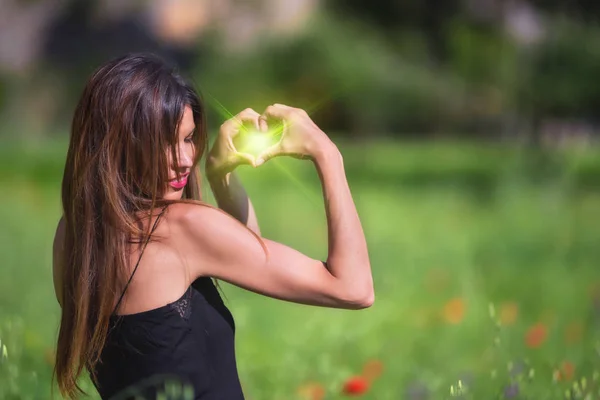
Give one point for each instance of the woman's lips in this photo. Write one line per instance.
(179, 184)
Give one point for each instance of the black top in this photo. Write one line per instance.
(189, 342)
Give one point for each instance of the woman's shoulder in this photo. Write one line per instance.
(210, 236)
(198, 218)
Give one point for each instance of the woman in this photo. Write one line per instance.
(131, 188)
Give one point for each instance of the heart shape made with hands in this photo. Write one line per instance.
(253, 142)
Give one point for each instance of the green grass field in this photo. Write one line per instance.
(485, 262)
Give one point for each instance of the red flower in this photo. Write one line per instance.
(356, 386)
(568, 370)
(536, 335)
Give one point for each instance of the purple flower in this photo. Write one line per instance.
(517, 368)
(511, 391)
(417, 391)
(466, 378)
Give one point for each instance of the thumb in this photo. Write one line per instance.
(267, 154)
(245, 158)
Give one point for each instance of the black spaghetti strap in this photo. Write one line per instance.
(139, 258)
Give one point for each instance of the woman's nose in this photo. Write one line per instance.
(185, 158)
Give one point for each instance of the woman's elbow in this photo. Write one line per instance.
(365, 300)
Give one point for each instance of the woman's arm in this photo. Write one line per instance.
(217, 245)
(223, 158)
(348, 257)
(232, 198)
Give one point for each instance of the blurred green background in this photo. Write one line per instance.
(470, 138)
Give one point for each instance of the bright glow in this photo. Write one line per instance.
(255, 142)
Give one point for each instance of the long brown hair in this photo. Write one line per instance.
(116, 170)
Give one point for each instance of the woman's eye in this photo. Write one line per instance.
(189, 139)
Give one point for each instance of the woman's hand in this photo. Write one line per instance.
(300, 136)
(223, 157)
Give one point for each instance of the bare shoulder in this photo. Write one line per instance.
(57, 258)
(210, 237)
(205, 222)
(189, 213)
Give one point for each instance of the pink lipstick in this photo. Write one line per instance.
(179, 184)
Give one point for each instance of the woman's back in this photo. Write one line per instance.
(189, 340)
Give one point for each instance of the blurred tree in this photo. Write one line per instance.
(75, 44)
(433, 66)
(566, 65)
(428, 16)
(582, 10)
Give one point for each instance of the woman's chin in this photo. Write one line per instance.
(173, 194)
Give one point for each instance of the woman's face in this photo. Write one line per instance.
(185, 153)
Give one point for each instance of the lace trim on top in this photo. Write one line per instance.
(183, 306)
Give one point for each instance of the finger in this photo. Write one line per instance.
(250, 116)
(269, 153)
(245, 158)
(283, 106)
(247, 116)
(276, 111)
(262, 122)
(289, 108)
(275, 118)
